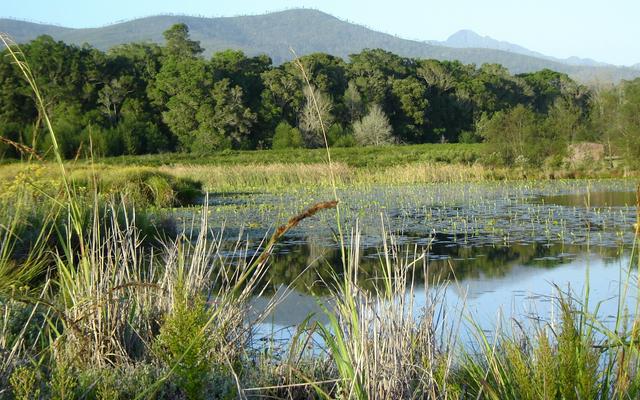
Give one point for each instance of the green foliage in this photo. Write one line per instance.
(184, 343)
(358, 157)
(469, 137)
(577, 359)
(411, 109)
(286, 137)
(142, 186)
(182, 88)
(515, 135)
(63, 383)
(25, 383)
(124, 382)
(178, 43)
(143, 98)
(337, 136)
(615, 115)
(549, 87)
(227, 119)
(352, 100)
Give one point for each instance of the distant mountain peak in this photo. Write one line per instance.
(464, 35)
(466, 39)
(310, 30)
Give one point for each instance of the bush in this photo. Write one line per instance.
(24, 383)
(207, 142)
(286, 137)
(144, 186)
(337, 136)
(469, 137)
(184, 341)
(345, 141)
(515, 136)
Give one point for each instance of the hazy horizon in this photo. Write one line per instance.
(613, 42)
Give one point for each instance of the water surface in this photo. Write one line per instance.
(503, 249)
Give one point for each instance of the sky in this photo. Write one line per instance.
(603, 30)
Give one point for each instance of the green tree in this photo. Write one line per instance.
(372, 72)
(629, 139)
(353, 103)
(246, 73)
(182, 90)
(606, 122)
(179, 44)
(224, 121)
(514, 137)
(549, 86)
(326, 72)
(617, 114)
(410, 109)
(451, 109)
(282, 97)
(564, 122)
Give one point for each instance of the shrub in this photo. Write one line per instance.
(24, 384)
(286, 137)
(184, 342)
(469, 137)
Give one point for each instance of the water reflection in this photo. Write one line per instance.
(593, 199)
(491, 283)
(309, 266)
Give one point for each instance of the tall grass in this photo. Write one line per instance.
(380, 347)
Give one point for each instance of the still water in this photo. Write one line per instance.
(503, 250)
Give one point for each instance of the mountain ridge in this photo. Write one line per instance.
(467, 38)
(304, 30)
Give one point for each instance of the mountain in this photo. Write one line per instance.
(469, 39)
(306, 31)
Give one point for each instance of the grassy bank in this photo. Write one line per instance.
(372, 157)
(269, 170)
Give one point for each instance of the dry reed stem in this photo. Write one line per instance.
(292, 223)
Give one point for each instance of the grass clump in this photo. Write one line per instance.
(142, 187)
(564, 361)
(379, 347)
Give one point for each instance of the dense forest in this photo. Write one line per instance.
(144, 98)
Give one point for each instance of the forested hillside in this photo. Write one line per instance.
(307, 31)
(144, 98)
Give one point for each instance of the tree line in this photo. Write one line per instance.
(142, 98)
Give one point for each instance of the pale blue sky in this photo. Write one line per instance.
(604, 30)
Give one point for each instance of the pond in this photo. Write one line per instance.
(503, 249)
